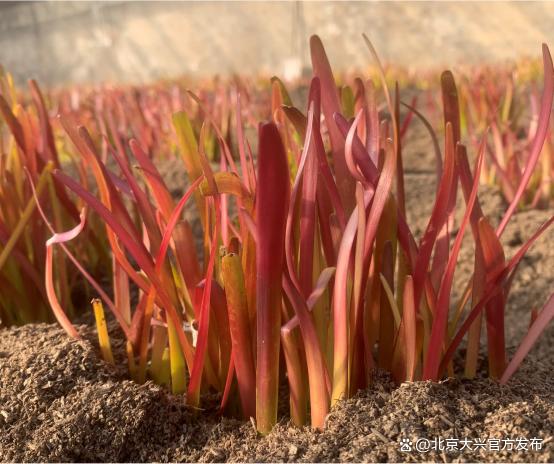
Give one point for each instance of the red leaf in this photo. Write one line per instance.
(272, 203)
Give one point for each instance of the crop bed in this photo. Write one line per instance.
(347, 277)
(62, 402)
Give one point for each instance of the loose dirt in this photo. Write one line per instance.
(60, 402)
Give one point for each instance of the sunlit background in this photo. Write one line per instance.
(75, 42)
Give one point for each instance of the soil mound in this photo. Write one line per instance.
(60, 402)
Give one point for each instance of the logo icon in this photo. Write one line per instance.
(405, 445)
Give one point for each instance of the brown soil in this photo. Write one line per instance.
(60, 402)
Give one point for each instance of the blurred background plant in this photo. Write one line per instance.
(29, 151)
